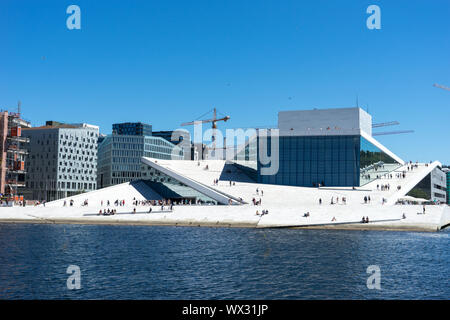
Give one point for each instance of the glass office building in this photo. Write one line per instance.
(119, 156)
(447, 173)
(319, 155)
(132, 128)
(170, 188)
(326, 160)
(62, 160)
(433, 187)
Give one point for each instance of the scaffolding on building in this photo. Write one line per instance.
(13, 156)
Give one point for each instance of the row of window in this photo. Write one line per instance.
(43, 177)
(62, 185)
(439, 195)
(440, 187)
(77, 151)
(126, 174)
(89, 144)
(71, 136)
(310, 180)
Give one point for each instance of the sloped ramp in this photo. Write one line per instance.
(411, 181)
(216, 195)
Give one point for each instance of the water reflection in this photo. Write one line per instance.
(133, 262)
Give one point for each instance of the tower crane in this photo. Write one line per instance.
(441, 86)
(385, 124)
(392, 132)
(214, 121)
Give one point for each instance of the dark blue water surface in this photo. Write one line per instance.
(142, 262)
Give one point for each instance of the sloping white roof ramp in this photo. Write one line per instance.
(214, 194)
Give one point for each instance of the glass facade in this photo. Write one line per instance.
(246, 158)
(310, 160)
(422, 189)
(339, 161)
(374, 163)
(119, 157)
(170, 188)
(448, 186)
(132, 128)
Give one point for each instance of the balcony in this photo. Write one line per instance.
(18, 139)
(14, 149)
(14, 183)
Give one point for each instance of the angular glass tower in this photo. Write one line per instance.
(332, 147)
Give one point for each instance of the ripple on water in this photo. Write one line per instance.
(140, 262)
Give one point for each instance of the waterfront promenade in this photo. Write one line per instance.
(321, 216)
(286, 205)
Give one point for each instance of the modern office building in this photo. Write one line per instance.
(446, 170)
(119, 155)
(330, 147)
(62, 160)
(132, 129)
(432, 187)
(438, 185)
(181, 138)
(13, 151)
(174, 136)
(448, 185)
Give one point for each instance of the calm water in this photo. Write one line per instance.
(133, 262)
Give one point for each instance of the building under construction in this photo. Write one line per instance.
(13, 152)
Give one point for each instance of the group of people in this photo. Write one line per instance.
(384, 187)
(400, 175)
(170, 208)
(262, 212)
(412, 166)
(71, 202)
(162, 202)
(256, 202)
(136, 202)
(20, 203)
(365, 220)
(107, 212)
(366, 199)
(321, 184)
(116, 203)
(343, 199)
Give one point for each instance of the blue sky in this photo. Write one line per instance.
(167, 62)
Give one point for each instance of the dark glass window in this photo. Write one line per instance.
(308, 161)
(374, 163)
